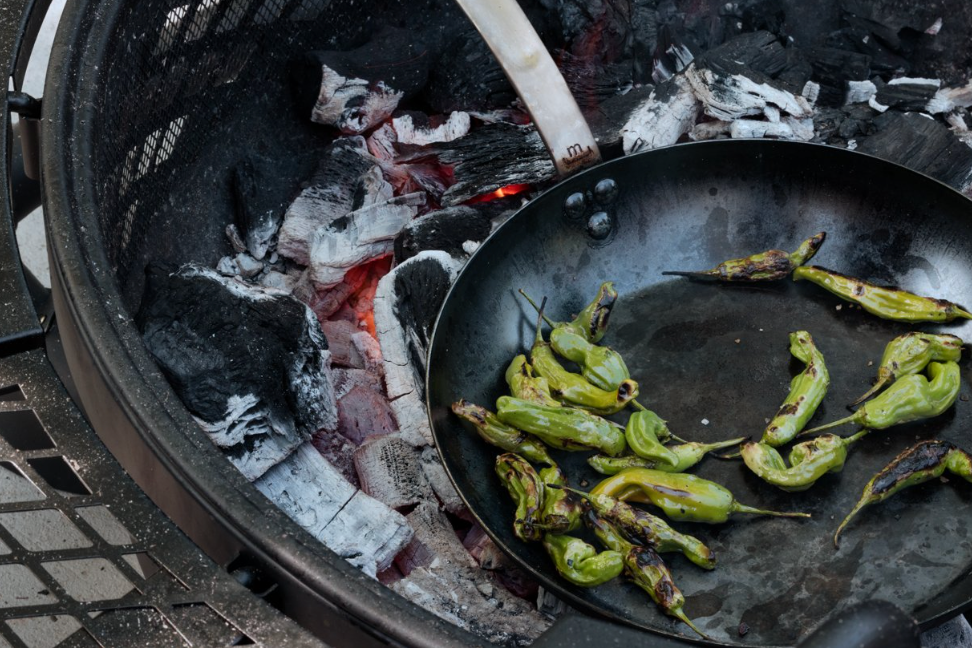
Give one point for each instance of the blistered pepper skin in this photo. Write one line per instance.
(688, 454)
(884, 302)
(809, 461)
(527, 490)
(771, 265)
(600, 365)
(494, 432)
(562, 509)
(910, 353)
(523, 384)
(910, 398)
(580, 563)
(561, 427)
(920, 463)
(681, 496)
(642, 433)
(807, 391)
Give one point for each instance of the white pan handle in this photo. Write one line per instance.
(538, 82)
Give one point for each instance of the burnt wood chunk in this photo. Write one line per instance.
(250, 364)
(907, 94)
(261, 189)
(353, 525)
(669, 112)
(363, 413)
(434, 538)
(338, 334)
(467, 77)
(446, 230)
(922, 144)
(833, 68)
(441, 484)
(339, 452)
(607, 120)
(345, 380)
(390, 470)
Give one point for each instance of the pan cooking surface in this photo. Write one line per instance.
(718, 353)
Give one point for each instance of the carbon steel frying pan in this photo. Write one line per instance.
(713, 360)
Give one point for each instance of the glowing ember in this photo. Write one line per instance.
(502, 192)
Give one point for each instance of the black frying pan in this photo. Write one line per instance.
(720, 353)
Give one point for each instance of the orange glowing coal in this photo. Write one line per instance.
(502, 192)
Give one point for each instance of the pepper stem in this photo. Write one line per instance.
(821, 428)
(641, 408)
(680, 615)
(742, 508)
(539, 308)
(538, 338)
(718, 445)
(861, 504)
(856, 437)
(691, 275)
(870, 392)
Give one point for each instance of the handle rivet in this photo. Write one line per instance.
(599, 225)
(606, 192)
(575, 205)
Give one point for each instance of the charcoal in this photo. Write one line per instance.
(416, 129)
(326, 303)
(922, 144)
(759, 51)
(434, 539)
(347, 379)
(467, 77)
(338, 334)
(592, 82)
(235, 238)
(242, 265)
(833, 69)
(339, 452)
(364, 413)
(643, 40)
(606, 122)
(796, 73)
(860, 92)
(672, 53)
(356, 527)
(436, 475)
(669, 112)
(405, 177)
(491, 558)
(329, 195)
(390, 470)
(891, 20)
(907, 94)
(787, 128)
(261, 189)
(446, 230)
(707, 130)
(250, 364)
(279, 281)
(406, 304)
(489, 158)
(367, 350)
(860, 39)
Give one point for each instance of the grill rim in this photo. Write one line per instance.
(136, 413)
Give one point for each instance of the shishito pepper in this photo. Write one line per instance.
(681, 496)
(494, 432)
(523, 384)
(765, 266)
(807, 391)
(561, 509)
(910, 398)
(580, 563)
(645, 568)
(527, 490)
(642, 432)
(920, 463)
(809, 461)
(642, 528)
(561, 427)
(910, 353)
(885, 302)
(688, 454)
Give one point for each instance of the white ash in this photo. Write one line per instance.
(811, 92)
(772, 114)
(390, 470)
(457, 125)
(709, 130)
(470, 247)
(352, 105)
(670, 111)
(788, 128)
(877, 105)
(242, 265)
(436, 475)
(731, 96)
(275, 280)
(346, 379)
(948, 99)
(366, 350)
(317, 497)
(860, 92)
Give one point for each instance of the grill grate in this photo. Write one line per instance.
(85, 558)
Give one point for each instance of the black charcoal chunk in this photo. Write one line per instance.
(758, 51)
(613, 114)
(922, 144)
(420, 290)
(261, 188)
(906, 96)
(446, 230)
(859, 39)
(467, 77)
(250, 365)
(833, 68)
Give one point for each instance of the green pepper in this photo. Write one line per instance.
(765, 266)
(573, 388)
(523, 384)
(807, 391)
(564, 428)
(681, 496)
(919, 463)
(561, 510)
(688, 455)
(580, 563)
(494, 432)
(642, 528)
(885, 302)
(592, 322)
(910, 398)
(645, 568)
(910, 353)
(527, 490)
(642, 432)
(809, 461)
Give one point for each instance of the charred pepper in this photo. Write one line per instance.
(561, 427)
(910, 353)
(561, 509)
(807, 391)
(809, 461)
(885, 302)
(580, 563)
(523, 384)
(527, 490)
(909, 398)
(600, 365)
(645, 568)
(642, 432)
(573, 388)
(765, 266)
(681, 496)
(924, 461)
(494, 432)
(642, 528)
(688, 455)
